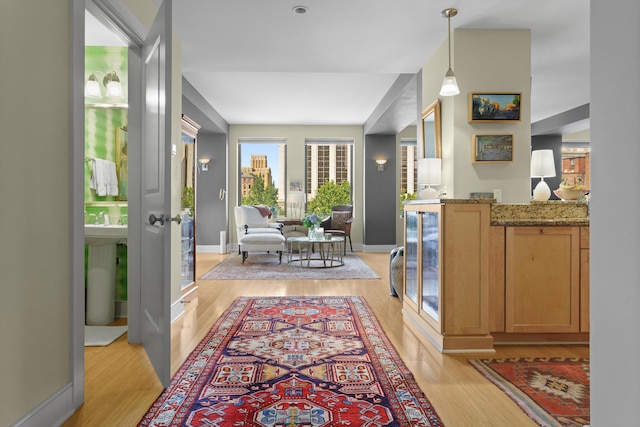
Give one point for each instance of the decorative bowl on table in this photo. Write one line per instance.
(569, 194)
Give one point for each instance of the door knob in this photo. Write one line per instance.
(162, 219)
(153, 219)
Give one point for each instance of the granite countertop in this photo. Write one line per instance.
(550, 213)
(448, 201)
(555, 212)
(567, 222)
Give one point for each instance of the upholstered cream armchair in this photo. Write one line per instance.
(256, 233)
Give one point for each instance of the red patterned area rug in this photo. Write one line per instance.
(294, 362)
(552, 391)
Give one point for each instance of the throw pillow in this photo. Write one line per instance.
(339, 220)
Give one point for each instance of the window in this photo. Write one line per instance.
(262, 159)
(328, 160)
(408, 166)
(576, 162)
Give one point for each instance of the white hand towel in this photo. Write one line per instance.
(104, 178)
(112, 179)
(93, 182)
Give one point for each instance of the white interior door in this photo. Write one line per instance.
(155, 316)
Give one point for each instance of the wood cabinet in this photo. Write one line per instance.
(584, 279)
(542, 279)
(188, 178)
(496, 278)
(446, 292)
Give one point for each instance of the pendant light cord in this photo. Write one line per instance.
(449, 36)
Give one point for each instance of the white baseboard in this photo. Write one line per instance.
(378, 248)
(210, 249)
(52, 412)
(177, 310)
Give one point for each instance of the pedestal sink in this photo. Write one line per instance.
(101, 274)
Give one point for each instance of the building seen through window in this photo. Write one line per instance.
(408, 167)
(262, 160)
(327, 162)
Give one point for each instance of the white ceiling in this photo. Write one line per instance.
(257, 62)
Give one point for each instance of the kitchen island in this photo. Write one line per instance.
(479, 272)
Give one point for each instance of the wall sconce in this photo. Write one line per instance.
(429, 173)
(381, 163)
(542, 166)
(204, 164)
(110, 81)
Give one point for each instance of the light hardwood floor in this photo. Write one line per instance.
(120, 383)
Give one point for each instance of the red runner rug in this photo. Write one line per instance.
(294, 362)
(552, 391)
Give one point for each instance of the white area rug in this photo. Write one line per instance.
(102, 335)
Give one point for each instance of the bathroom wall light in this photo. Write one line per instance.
(204, 164)
(110, 81)
(381, 163)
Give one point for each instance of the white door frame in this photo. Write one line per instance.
(115, 15)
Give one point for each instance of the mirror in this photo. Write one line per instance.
(431, 143)
(122, 162)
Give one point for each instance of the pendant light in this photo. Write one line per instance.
(449, 84)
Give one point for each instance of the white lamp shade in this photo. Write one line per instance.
(92, 89)
(114, 89)
(429, 171)
(295, 202)
(542, 164)
(449, 85)
(298, 197)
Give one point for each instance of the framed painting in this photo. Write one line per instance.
(431, 142)
(492, 148)
(494, 107)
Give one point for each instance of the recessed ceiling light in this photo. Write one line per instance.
(300, 10)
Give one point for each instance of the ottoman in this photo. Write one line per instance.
(261, 242)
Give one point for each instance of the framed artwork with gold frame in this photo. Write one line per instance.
(492, 148)
(494, 107)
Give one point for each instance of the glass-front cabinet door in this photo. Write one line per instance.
(411, 257)
(430, 271)
(422, 254)
(188, 177)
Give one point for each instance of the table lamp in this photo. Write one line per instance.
(542, 166)
(296, 204)
(429, 173)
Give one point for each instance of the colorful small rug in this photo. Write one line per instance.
(294, 362)
(552, 391)
(263, 266)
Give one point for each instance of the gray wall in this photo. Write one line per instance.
(211, 212)
(615, 229)
(380, 190)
